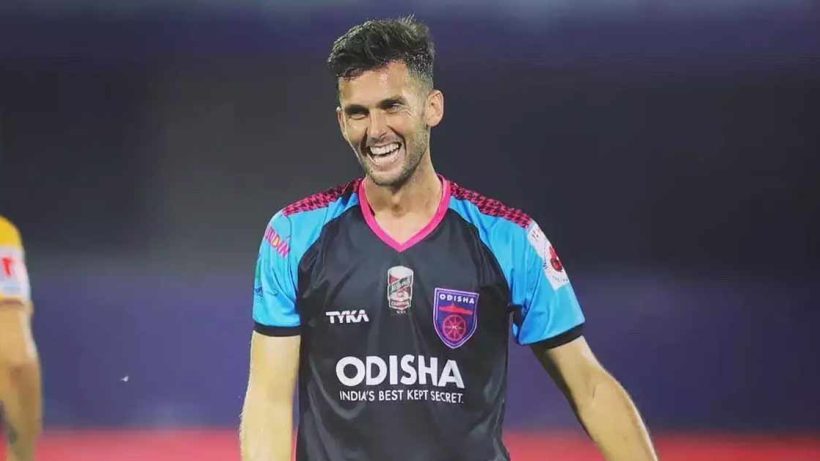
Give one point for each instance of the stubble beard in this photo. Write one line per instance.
(408, 168)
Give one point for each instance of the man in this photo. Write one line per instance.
(20, 399)
(389, 297)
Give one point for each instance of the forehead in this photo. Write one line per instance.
(372, 86)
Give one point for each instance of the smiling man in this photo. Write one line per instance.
(387, 300)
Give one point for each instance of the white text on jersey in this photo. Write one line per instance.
(351, 316)
(373, 370)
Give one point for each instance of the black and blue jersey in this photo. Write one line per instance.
(404, 345)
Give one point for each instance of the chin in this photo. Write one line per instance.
(388, 179)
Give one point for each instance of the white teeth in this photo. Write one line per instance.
(383, 150)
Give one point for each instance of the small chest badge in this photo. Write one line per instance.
(399, 288)
(455, 316)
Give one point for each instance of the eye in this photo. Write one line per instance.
(357, 115)
(393, 107)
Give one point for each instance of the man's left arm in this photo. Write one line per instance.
(20, 394)
(20, 383)
(601, 404)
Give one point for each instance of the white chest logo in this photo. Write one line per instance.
(348, 316)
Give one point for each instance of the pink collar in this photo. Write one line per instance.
(370, 218)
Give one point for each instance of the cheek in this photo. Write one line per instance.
(354, 132)
(406, 124)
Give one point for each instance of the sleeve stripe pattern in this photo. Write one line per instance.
(321, 199)
(490, 206)
(269, 330)
(563, 338)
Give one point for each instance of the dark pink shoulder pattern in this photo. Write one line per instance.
(490, 206)
(322, 199)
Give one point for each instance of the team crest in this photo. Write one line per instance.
(455, 316)
(399, 288)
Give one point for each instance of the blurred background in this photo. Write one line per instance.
(671, 151)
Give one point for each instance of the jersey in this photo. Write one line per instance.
(14, 283)
(404, 345)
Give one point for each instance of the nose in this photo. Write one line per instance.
(378, 125)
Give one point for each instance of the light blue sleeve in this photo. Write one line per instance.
(275, 279)
(546, 306)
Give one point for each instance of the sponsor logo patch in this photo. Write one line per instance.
(399, 288)
(455, 316)
(553, 268)
(276, 241)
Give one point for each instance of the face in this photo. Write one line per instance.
(385, 115)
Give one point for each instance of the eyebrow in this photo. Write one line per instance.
(355, 109)
(383, 104)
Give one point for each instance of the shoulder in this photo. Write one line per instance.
(510, 233)
(299, 223)
(9, 235)
(486, 212)
(323, 200)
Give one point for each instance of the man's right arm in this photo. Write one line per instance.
(266, 432)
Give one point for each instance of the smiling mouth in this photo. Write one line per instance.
(383, 151)
(384, 156)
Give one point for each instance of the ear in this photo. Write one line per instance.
(434, 110)
(340, 117)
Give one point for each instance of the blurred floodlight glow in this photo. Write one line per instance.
(513, 7)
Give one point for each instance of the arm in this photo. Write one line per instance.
(602, 406)
(20, 397)
(266, 432)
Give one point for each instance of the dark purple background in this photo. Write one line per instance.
(671, 154)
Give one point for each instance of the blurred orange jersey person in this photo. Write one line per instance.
(20, 386)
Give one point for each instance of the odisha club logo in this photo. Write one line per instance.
(455, 316)
(399, 288)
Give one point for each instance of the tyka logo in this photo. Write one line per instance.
(348, 316)
(399, 288)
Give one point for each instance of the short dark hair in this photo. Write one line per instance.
(375, 44)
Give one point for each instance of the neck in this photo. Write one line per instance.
(419, 194)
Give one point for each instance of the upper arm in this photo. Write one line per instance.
(275, 281)
(16, 341)
(274, 367)
(275, 341)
